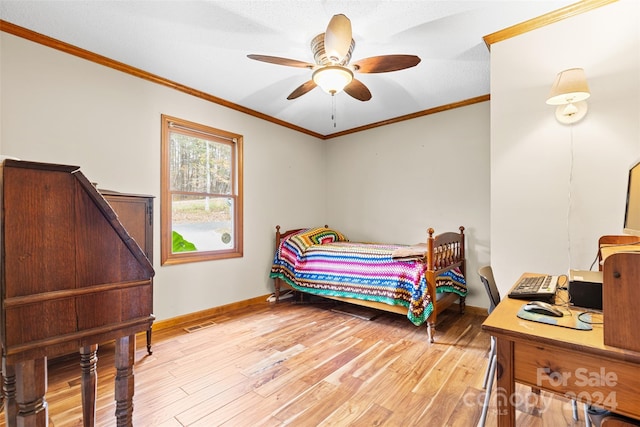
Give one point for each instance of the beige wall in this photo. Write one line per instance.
(556, 188)
(61, 109)
(392, 183)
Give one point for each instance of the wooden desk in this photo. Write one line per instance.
(560, 360)
(71, 277)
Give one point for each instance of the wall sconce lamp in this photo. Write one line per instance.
(569, 92)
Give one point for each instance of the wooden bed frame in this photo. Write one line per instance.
(444, 252)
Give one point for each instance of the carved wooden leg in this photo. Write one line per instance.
(9, 392)
(149, 352)
(463, 304)
(89, 383)
(506, 387)
(431, 329)
(125, 353)
(276, 287)
(31, 387)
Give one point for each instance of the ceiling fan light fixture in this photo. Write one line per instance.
(332, 78)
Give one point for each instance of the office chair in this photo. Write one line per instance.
(489, 282)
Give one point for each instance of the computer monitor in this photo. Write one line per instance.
(632, 211)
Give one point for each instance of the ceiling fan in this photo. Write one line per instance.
(332, 72)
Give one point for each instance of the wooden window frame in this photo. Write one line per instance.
(168, 257)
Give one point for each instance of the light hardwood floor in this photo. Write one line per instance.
(303, 365)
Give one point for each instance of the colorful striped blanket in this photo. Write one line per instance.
(322, 261)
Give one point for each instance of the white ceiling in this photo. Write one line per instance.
(204, 45)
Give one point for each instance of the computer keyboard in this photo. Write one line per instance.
(535, 287)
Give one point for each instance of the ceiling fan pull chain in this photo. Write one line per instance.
(333, 109)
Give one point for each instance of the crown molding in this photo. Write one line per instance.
(451, 106)
(35, 37)
(543, 20)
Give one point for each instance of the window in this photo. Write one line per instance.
(201, 193)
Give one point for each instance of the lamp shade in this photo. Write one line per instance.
(332, 78)
(570, 86)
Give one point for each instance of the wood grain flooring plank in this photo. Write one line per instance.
(301, 364)
(266, 413)
(253, 409)
(295, 408)
(374, 415)
(277, 358)
(318, 410)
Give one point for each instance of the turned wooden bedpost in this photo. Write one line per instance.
(463, 268)
(462, 252)
(276, 281)
(430, 239)
(431, 321)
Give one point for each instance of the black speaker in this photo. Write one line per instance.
(585, 289)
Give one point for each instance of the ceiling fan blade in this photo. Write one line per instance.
(358, 90)
(386, 63)
(337, 38)
(302, 89)
(281, 61)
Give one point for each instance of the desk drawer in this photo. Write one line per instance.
(596, 380)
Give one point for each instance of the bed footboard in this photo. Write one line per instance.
(445, 252)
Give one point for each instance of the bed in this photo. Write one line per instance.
(418, 281)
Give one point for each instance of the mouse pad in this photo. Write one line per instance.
(565, 321)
